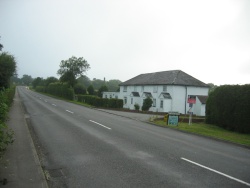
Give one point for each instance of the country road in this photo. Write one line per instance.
(84, 147)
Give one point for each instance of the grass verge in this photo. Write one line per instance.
(210, 131)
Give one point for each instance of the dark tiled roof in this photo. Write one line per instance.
(166, 95)
(203, 99)
(147, 94)
(136, 94)
(174, 77)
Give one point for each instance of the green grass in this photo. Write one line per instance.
(210, 131)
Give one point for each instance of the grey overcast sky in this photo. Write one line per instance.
(120, 39)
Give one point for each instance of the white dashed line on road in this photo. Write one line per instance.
(69, 111)
(100, 124)
(230, 177)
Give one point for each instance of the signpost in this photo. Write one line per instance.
(191, 100)
(173, 118)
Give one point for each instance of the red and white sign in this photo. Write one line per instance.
(191, 99)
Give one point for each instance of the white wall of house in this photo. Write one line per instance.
(178, 101)
(199, 108)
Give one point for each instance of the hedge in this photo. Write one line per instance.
(100, 102)
(228, 106)
(58, 89)
(6, 134)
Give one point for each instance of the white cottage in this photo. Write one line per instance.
(169, 91)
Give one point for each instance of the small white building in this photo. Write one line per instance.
(169, 91)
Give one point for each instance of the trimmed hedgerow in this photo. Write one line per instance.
(60, 90)
(228, 106)
(6, 134)
(100, 102)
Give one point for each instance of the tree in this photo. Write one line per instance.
(84, 80)
(7, 69)
(113, 85)
(1, 46)
(91, 90)
(212, 87)
(79, 89)
(26, 80)
(147, 103)
(102, 89)
(49, 80)
(72, 68)
(37, 82)
(97, 83)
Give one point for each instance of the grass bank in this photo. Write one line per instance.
(210, 131)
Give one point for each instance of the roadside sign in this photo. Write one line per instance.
(191, 99)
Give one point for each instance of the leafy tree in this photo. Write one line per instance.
(113, 85)
(91, 90)
(7, 69)
(212, 87)
(147, 103)
(26, 80)
(49, 80)
(79, 89)
(1, 46)
(72, 68)
(84, 80)
(97, 83)
(102, 89)
(37, 82)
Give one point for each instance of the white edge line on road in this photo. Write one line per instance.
(230, 177)
(53, 104)
(69, 111)
(100, 124)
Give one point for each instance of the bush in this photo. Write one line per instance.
(147, 103)
(6, 134)
(80, 89)
(137, 106)
(61, 90)
(229, 107)
(100, 102)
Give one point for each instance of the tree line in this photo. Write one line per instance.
(72, 72)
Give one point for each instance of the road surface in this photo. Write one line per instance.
(84, 147)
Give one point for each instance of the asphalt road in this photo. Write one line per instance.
(83, 147)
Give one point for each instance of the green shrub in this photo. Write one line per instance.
(147, 103)
(137, 106)
(229, 107)
(6, 134)
(100, 102)
(61, 90)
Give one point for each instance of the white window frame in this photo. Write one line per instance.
(161, 104)
(154, 102)
(155, 89)
(164, 88)
(125, 100)
(125, 88)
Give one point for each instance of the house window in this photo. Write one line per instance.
(142, 88)
(124, 88)
(164, 88)
(155, 89)
(154, 102)
(135, 88)
(106, 96)
(116, 97)
(131, 100)
(125, 100)
(161, 104)
(110, 96)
